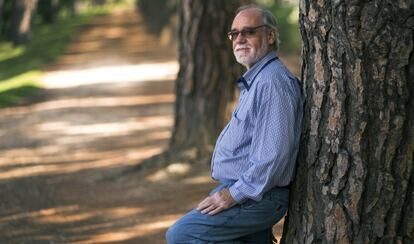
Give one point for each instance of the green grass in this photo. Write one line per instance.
(21, 67)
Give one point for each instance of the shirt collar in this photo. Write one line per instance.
(247, 79)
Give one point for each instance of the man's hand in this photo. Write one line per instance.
(216, 203)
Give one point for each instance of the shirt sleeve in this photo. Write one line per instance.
(273, 142)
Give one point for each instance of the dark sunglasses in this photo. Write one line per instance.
(246, 32)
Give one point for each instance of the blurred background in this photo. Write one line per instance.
(87, 93)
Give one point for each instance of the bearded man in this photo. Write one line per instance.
(255, 155)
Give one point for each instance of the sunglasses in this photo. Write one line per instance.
(246, 32)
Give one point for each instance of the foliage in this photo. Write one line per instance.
(287, 15)
(21, 65)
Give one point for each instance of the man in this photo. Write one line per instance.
(255, 154)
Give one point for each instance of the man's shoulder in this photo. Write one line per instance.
(276, 75)
(278, 70)
(277, 79)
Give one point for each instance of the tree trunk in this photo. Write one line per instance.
(206, 80)
(22, 20)
(355, 179)
(72, 7)
(48, 10)
(1, 16)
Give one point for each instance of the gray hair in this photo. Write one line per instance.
(268, 19)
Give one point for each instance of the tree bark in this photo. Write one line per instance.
(355, 178)
(206, 79)
(22, 20)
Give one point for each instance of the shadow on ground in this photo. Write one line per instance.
(108, 105)
(63, 164)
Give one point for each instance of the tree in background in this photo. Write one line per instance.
(286, 13)
(156, 13)
(69, 5)
(5, 18)
(355, 179)
(1, 15)
(17, 18)
(22, 17)
(48, 10)
(206, 79)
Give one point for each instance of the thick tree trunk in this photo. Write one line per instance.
(22, 20)
(355, 179)
(205, 83)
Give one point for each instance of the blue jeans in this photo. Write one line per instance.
(249, 222)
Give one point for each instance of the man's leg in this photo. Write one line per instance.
(232, 225)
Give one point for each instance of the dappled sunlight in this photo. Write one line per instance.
(152, 137)
(171, 170)
(203, 179)
(51, 159)
(119, 159)
(111, 74)
(115, 32)
(69, 161)
(91, 102)
(87, 46)
(39, 213)
(125, 234)
(121, 41)
(107, 129)
(60, 217)
(75, 213)
(50, 154)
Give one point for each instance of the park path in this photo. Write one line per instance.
(108, 104)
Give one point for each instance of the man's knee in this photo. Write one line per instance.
(176, 234)
(170, 235)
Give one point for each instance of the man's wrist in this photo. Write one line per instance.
(236, 195)
(225, 194)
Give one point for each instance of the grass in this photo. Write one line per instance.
(21, 66)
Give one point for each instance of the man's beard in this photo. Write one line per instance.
(253, 55)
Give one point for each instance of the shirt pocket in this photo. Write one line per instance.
(234, 138)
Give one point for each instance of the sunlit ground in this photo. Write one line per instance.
(64, 161)
(67, 130)
(62, 151)
(111, 74)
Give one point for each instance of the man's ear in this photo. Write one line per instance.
(271, 38)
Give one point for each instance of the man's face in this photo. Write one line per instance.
(252, 46)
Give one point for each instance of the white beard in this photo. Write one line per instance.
(253, 56)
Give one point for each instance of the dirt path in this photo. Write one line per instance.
(108, 105)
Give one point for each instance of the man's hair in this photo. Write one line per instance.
(268, 19)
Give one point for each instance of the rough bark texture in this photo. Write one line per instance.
(205, 83)
(355, 179)
(22, 20)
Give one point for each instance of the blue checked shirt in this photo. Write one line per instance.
(258, 147)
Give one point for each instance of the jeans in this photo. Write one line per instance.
(249, 222)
